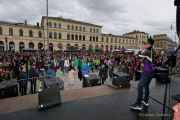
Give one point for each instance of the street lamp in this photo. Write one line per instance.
(6, 41)
(47, 49)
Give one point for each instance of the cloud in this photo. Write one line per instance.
(116, 16)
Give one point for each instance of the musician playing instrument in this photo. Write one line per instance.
(147, 75)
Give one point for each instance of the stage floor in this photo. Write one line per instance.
(109, 107)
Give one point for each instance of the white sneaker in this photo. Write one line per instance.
(145, 103)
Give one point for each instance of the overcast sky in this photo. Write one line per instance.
(116, 16)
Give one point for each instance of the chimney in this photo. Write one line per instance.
(37, 24)
(25, 22)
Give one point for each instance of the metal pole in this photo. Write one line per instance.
(47, 31)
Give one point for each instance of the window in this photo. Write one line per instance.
(76, 37)
(94, 38)
(30, 33)
(94, 30)
(20, 32)
(111, 39)
(119, 40)
(72, 27)
(50, 35)
(102, 39)
(1, 31)
(59, 36)
(31, 45)
(59, 25)
(116, 40)
(80, 28)
(76, 28)
(97, 39)
(80, 37)
(97, 30)
(68, 37)
(10, 31)
(72, 37)
(84, 38)
(55, 25)
(68, 27)
(50, 24)
(40, 34)
(84, 29)
(55, 35)
(123, 40)
(90, 29)
(106, 39)
(90, 38)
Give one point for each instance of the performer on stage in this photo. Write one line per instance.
(148, 73)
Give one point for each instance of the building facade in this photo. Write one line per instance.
(163, 42)
(64, 34)
(140, 37)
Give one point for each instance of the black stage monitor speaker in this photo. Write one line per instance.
(162, 77)
(121, 80)
(8, 89)
(91, 80)
(49, 97)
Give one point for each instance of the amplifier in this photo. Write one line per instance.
(91, 80)
(162, 77)
(8, 88)
(49, 97)
(120, 80)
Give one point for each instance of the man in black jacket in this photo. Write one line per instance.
(103, 72)
(33, 75)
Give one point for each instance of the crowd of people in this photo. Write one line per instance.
(24, 66)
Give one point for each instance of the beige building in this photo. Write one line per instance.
(113, 42)
(163, 42)
(64, 34)
(141, 37)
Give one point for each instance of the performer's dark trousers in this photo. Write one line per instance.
(144, 82)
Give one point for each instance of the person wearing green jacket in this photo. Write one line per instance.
(96, 63)
(59, 73)
(76, 63)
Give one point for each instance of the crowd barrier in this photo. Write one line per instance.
(11, 88)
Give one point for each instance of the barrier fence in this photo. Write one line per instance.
(10, 88)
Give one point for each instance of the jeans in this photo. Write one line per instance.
(144, 82)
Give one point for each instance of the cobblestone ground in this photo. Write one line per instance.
(77, 82)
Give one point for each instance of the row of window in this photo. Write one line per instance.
(118, 41)
(55, 35)
(94, 39)
(76, 37)
(76, 28)
(69, 37)
(40, 45)
(72, 27)
(21, 32)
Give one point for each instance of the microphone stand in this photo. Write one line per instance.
(168, 83)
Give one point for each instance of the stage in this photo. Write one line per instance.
(102, 103)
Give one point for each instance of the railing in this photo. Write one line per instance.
(10, 88)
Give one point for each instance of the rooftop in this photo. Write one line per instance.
(136, 32)
(71, 20)
(111, 35)
(17, 24)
